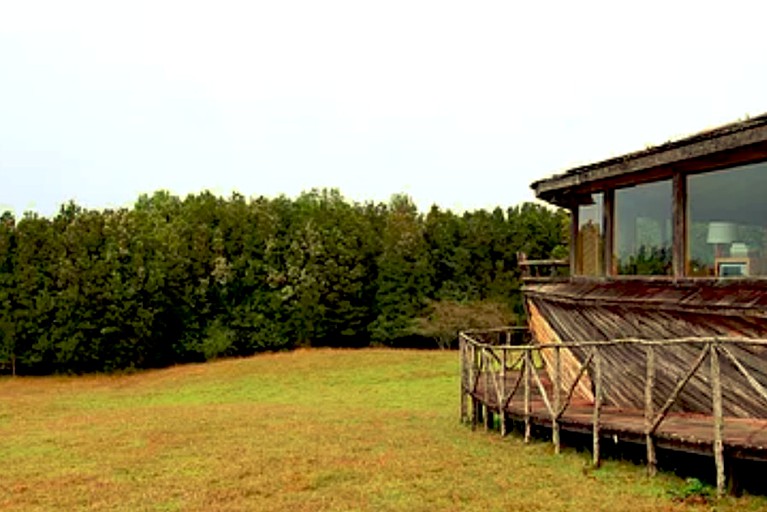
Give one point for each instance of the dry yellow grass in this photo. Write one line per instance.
(308, 430)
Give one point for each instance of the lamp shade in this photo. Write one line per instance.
(721, 232)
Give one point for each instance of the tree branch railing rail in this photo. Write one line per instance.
(492, 362)
(543, 270)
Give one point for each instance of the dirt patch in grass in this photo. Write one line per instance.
(308, 430)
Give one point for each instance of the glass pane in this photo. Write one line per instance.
(589, 260)
(727, 222)
(643, 229)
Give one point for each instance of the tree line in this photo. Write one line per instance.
(174, 280)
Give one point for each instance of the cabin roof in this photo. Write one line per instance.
(705, 145)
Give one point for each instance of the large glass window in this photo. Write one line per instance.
(643, 229)
(727, 220)
(589, 259)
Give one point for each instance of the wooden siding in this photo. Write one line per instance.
(572, 312)
(543, 332)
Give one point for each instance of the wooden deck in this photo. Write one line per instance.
(631, 390)
(690, 432)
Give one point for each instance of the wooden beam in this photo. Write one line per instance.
(521, 263)
(488, 417)
(464, 379)
(477, 365)
(652, 461)
(557, 399)
(574, 221)
(716, 399)
(505, 328)
(476, 372)
(528, 364)
(679, 209)
(608, 224)
(497, 380)
(596, 434)
(689, 340)
(502, 394)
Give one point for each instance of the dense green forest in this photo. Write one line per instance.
(175, 280)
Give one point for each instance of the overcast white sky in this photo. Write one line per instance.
(461, 104)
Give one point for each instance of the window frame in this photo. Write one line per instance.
(576, 256)
(680, 217)
(614, 229)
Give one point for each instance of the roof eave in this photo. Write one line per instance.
(701, 145)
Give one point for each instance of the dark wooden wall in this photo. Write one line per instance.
(567, 312)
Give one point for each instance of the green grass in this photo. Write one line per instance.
(308, 430)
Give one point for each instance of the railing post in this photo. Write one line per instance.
(521, 262)
(464, 380)
(502, 394)
(474, 377)
(527, 376)
(557, 399)
(652, 461)
(488, 414)
(716, 398)
(597, 406)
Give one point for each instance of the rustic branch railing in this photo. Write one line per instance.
(543, 270)
(493, 362)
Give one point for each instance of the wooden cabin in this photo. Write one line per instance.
(668, 243)
(660, 327)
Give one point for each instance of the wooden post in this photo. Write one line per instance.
(524, 269)
(502, 394)
(463, 370)
(527, 377)
(679, 240)
(652, 461)
(597, 405)
(488, 415)
(716, 398)
(474, 402)
(608, 221)
(557, 399)
(574, 221)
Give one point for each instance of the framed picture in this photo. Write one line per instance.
(732, 267)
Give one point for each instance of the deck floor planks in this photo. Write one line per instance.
(692, 432)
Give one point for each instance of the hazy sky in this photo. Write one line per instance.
(462, 104)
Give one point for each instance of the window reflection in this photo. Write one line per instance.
(727, 221)
(643, 229)
(590, 248)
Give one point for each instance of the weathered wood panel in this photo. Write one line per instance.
(595, 312)
(543, 332)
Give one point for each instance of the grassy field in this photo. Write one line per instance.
(309, 430)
